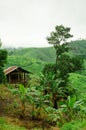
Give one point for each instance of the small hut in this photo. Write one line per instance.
(16, 74)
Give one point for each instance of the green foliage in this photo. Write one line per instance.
(2, 76)
(51, 86)
(67, 111)
(60, 35)
(67, 65)
(32, 96)
(78, 82)
(3, 59)
(72, 107)
(56, 78)
(24, 96)
(49, 68)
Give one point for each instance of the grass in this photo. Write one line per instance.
(75, 125)
(6, 126)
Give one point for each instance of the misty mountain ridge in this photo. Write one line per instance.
(34, 59)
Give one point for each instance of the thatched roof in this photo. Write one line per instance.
(13, 68)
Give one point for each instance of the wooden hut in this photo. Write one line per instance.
(16, 74)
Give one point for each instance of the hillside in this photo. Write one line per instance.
(34, 59)
(78, 47)
(42, 54)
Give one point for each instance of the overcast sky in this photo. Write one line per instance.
(27, 23)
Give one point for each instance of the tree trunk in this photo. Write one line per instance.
(55, 104)
(54, 100)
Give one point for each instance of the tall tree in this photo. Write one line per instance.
(63, 66)
(58, 39)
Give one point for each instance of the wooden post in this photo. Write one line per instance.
(18, 76)
(24, 76)
(9, 78)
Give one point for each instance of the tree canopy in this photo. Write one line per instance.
(58, 39)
